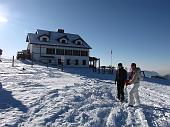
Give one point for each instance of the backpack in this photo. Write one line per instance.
(140, 77)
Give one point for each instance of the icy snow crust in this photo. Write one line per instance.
(47, 97)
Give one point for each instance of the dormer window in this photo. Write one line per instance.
(63, 40)
(78, 42)
(44, 38)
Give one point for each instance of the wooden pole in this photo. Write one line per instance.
(111, 58)
(104, 69)
(99, 65)
(32, 61)
(40, 51)
(13, 61)
(0, 55)
(62, 66)
(62, 63)
(93, 65)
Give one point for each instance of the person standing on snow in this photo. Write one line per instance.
(121, 77)
(134, 78)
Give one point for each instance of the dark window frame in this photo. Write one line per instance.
(63, 41)
(76, 62)
(76, 53)
(59, 62)
(84, 62)
(84, 53)
(60, 52)
(79, 42)
(50, 51)
(49, 61)
(69, 52)
(44, 39)
(68, 62)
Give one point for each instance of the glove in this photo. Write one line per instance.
(127, 82)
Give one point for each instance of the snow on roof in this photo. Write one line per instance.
(33, 38)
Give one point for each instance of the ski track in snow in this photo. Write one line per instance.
(41, 96)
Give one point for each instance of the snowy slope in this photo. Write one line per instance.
(167, 76)
(41, 96)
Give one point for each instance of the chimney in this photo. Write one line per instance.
(60, 30)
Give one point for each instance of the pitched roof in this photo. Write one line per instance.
(33, 38)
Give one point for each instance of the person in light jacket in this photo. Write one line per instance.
(134, 78)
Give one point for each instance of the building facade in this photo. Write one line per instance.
(58, 47)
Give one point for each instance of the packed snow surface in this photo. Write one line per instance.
(78, 97)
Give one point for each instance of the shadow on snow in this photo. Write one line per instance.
(7, 100)
(158, 81)
(152, 112)
(88, 73)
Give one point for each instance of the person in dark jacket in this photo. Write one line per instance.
(121, 77)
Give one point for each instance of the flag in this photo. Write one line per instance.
(111, 51)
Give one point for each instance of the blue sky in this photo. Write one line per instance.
(136, 30)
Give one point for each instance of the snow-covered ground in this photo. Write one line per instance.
(41, 96)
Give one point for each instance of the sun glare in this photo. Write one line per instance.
(3, 19)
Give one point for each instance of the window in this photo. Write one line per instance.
(68, 61)
(49, 61)
(76, 52)
(76, 62)
(79, 43)
(84, 62)
(84, 53)
(59, 62)
(59, 51)
(50, 51)
(63, 40)
(44, 39)
(68, 52)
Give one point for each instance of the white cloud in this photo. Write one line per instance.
(4, 13)
(3, 19)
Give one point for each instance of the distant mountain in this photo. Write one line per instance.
(151, 73)
(167, 76)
